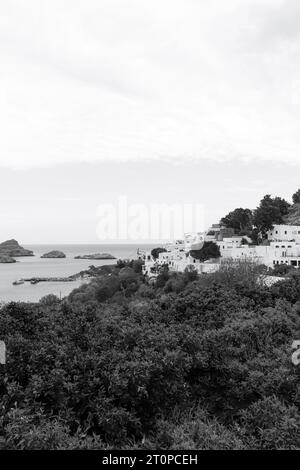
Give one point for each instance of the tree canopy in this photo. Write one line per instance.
(239, 219)
(210, 250)
(256, 223)
(155, 252)
(270, 211)
(296, 197)
(190, 362)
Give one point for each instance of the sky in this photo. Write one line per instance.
(169, 101)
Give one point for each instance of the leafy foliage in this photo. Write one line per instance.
(191, 362)
(256, 224)
(270, 211)
(210, 250)
(155, 252)
(239, 219)
(296, 197)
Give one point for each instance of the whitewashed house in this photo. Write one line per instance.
(282, 247)
(285, 233)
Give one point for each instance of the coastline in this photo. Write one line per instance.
(36, 267)
(83, 275)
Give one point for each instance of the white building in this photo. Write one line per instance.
(285, 233)
(282, 248)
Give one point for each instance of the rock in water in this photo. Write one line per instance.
(54, 254)
(96, 256)
(13, 249)
(6, 259)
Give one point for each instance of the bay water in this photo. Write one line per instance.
(35, 266)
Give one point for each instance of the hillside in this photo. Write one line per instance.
(293, 217)
(188, 363)
(13, 249)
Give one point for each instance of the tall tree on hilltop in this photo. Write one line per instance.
(270, 211)
(239, 219)
(282, 204)
(296, 197)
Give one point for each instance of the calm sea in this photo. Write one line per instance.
(37, 267)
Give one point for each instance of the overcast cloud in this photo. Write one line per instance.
(93, 80)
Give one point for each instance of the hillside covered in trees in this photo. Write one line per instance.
(187, 362)
(190, 362)
(271, 210)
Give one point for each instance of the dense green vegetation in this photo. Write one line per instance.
(190, 363)
(241, 220)
(155, 252)
(270, 211)
(209, 250)
(296, 197)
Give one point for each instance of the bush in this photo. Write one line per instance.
(198, 362)
(270, 424)
(210, 250)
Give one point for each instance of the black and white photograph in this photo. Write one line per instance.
(149, 228)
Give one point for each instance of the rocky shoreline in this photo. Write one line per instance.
(7, 259)
(87, 274)
(11, 249)
(54, 254)
(36, 280)
(95, 256)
